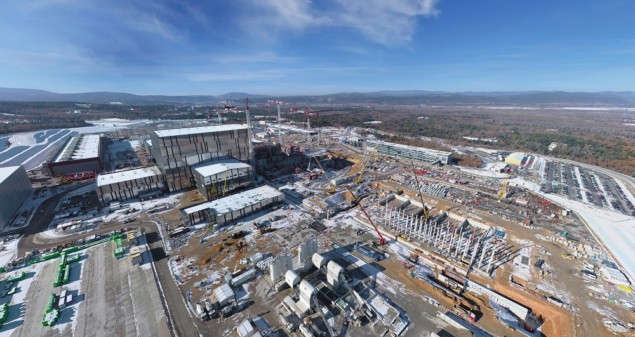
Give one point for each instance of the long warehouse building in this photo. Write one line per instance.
(234, 207)
(177, 150)
(410, 152)
(15, 187)
(129, 184)
(81, 153)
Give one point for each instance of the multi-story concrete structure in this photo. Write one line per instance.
(411, 152)
(14, 189)
(220, 177)
(176, 151)
(228, 209)
(81, 153)
(129, 184)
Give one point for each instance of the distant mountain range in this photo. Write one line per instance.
(394, 97)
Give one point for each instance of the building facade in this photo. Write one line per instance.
(177, 150)
(218, 178)
(15, 187)
(410, 152)
(81, 153)
(129, 184)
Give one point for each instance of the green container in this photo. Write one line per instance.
(71, 249)
(4, 313)
(73, 259)
(119, 252)
(51, 256)
(50, 304)
(67, 274)
(58, 278)
(16, 278)
(63, 260)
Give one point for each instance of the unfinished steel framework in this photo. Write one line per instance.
(475, 246)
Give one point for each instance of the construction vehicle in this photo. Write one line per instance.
(423, 205)
(381, 241)
(502, 194)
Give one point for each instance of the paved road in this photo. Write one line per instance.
(180, 318)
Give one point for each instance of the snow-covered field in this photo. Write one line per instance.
(27, 151)
(8, 251)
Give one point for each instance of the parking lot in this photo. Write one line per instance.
(578, 183)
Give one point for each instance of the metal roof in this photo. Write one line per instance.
(80, 147)
(121, 176)
(6, 172)
(217, 167)
(237, 201)
(408, 147)
(199, 130)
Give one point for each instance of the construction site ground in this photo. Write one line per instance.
(208, 258)
(565, 275)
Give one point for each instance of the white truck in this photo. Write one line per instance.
(201, 313)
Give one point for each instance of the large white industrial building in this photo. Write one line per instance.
(129, 184)
(228, 209)
(411, 152)
(176, 151)
(14, 189)
(81, 153)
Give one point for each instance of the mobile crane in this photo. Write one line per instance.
(381, 241)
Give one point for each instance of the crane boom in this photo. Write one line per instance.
(382, 241)
(333, 187)
(502, 194)
(361, 172)
(423, 205)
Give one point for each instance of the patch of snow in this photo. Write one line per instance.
(8, 251)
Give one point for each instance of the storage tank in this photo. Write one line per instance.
(318, 260)
(292, 278)
(307, 290)
(333, 272)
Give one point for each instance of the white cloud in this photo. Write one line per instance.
(388, 22)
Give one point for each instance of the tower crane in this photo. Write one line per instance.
(248, 117)
(309, 114)
(278, 104)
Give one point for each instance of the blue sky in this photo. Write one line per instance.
(282, 47)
